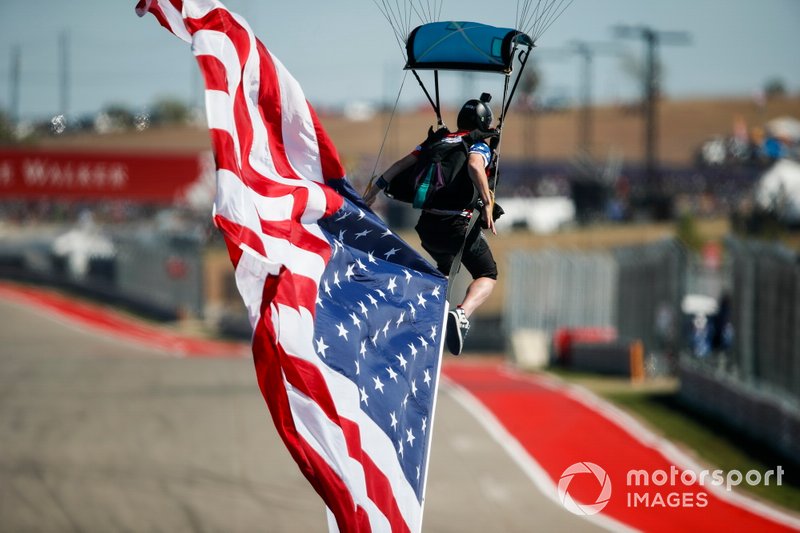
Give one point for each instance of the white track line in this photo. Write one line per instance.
(519, 455)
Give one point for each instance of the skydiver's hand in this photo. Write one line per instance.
(486, 213)
(370, 195)
(375, 186)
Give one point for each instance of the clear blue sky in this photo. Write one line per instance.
(344, 50)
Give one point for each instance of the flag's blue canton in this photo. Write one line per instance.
(379, 323)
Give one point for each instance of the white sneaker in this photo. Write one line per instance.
(457, 328)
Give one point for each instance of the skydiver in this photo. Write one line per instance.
(443, 229)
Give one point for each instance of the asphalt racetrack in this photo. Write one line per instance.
(102, 434)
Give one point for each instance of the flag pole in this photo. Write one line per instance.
(433, 414)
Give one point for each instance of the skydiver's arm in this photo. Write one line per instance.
(476, 165)
(398, 167)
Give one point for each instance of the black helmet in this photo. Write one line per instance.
(475, 115)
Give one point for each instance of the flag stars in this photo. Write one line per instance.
(400, 447)
(433, 333)
(321, 347)
(405, 401)
(386, 328)
(417, 473)
(374, 338)
(371, 259)
(421, 300)
(363, 233)
(364, 396)
(360, 214)
(414, 388)
(341, 234)
(391, 252)
(386, 233)
(361, 265)
(424, 424)
(356, 321)
(350, 271)
(378, 384)
(372, 300)
(423, 342)
(392, 374)
(342, 332)
(327, 287)
(427, 379)
(408, 275)
(392, 284)
(381, 294)
(336, 280)
(413, 350)
(402, 360)
(410, 438)
(394, 420)
(364, 310)
(400, 319)
(435, 292)
(363, 350)
(412, 309)
(358, 367)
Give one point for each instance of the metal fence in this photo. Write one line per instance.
(551, 289)
(156, 273)
(166, 271)
(652, 282)
(636, 290)
(765, 316)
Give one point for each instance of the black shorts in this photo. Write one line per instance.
(442, 236)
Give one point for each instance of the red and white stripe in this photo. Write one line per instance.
(273, 161)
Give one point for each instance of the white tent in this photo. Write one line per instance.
(785, 128)
(778, 189)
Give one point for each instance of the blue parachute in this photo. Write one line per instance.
(470, 46)
(467, 46)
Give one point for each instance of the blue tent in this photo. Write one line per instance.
(454, 45)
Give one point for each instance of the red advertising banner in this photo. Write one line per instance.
(160, 178)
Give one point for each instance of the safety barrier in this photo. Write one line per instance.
(773, 419)
(635, 291)
(765, 317)
(154, 273)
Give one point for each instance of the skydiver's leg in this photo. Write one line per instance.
(478, 291)
(479, 261)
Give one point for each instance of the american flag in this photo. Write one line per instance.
(347, 318)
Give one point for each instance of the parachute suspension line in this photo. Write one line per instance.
(523, 59)
(562, 6)
(401, 13)
(399, 19)
(495, 142)
(386, 134)
(434, 105)
(431, 12)
(439, 122)
(535, 20)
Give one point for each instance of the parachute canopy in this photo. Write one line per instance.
(453, 45)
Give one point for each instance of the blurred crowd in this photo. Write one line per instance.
(758, 146)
